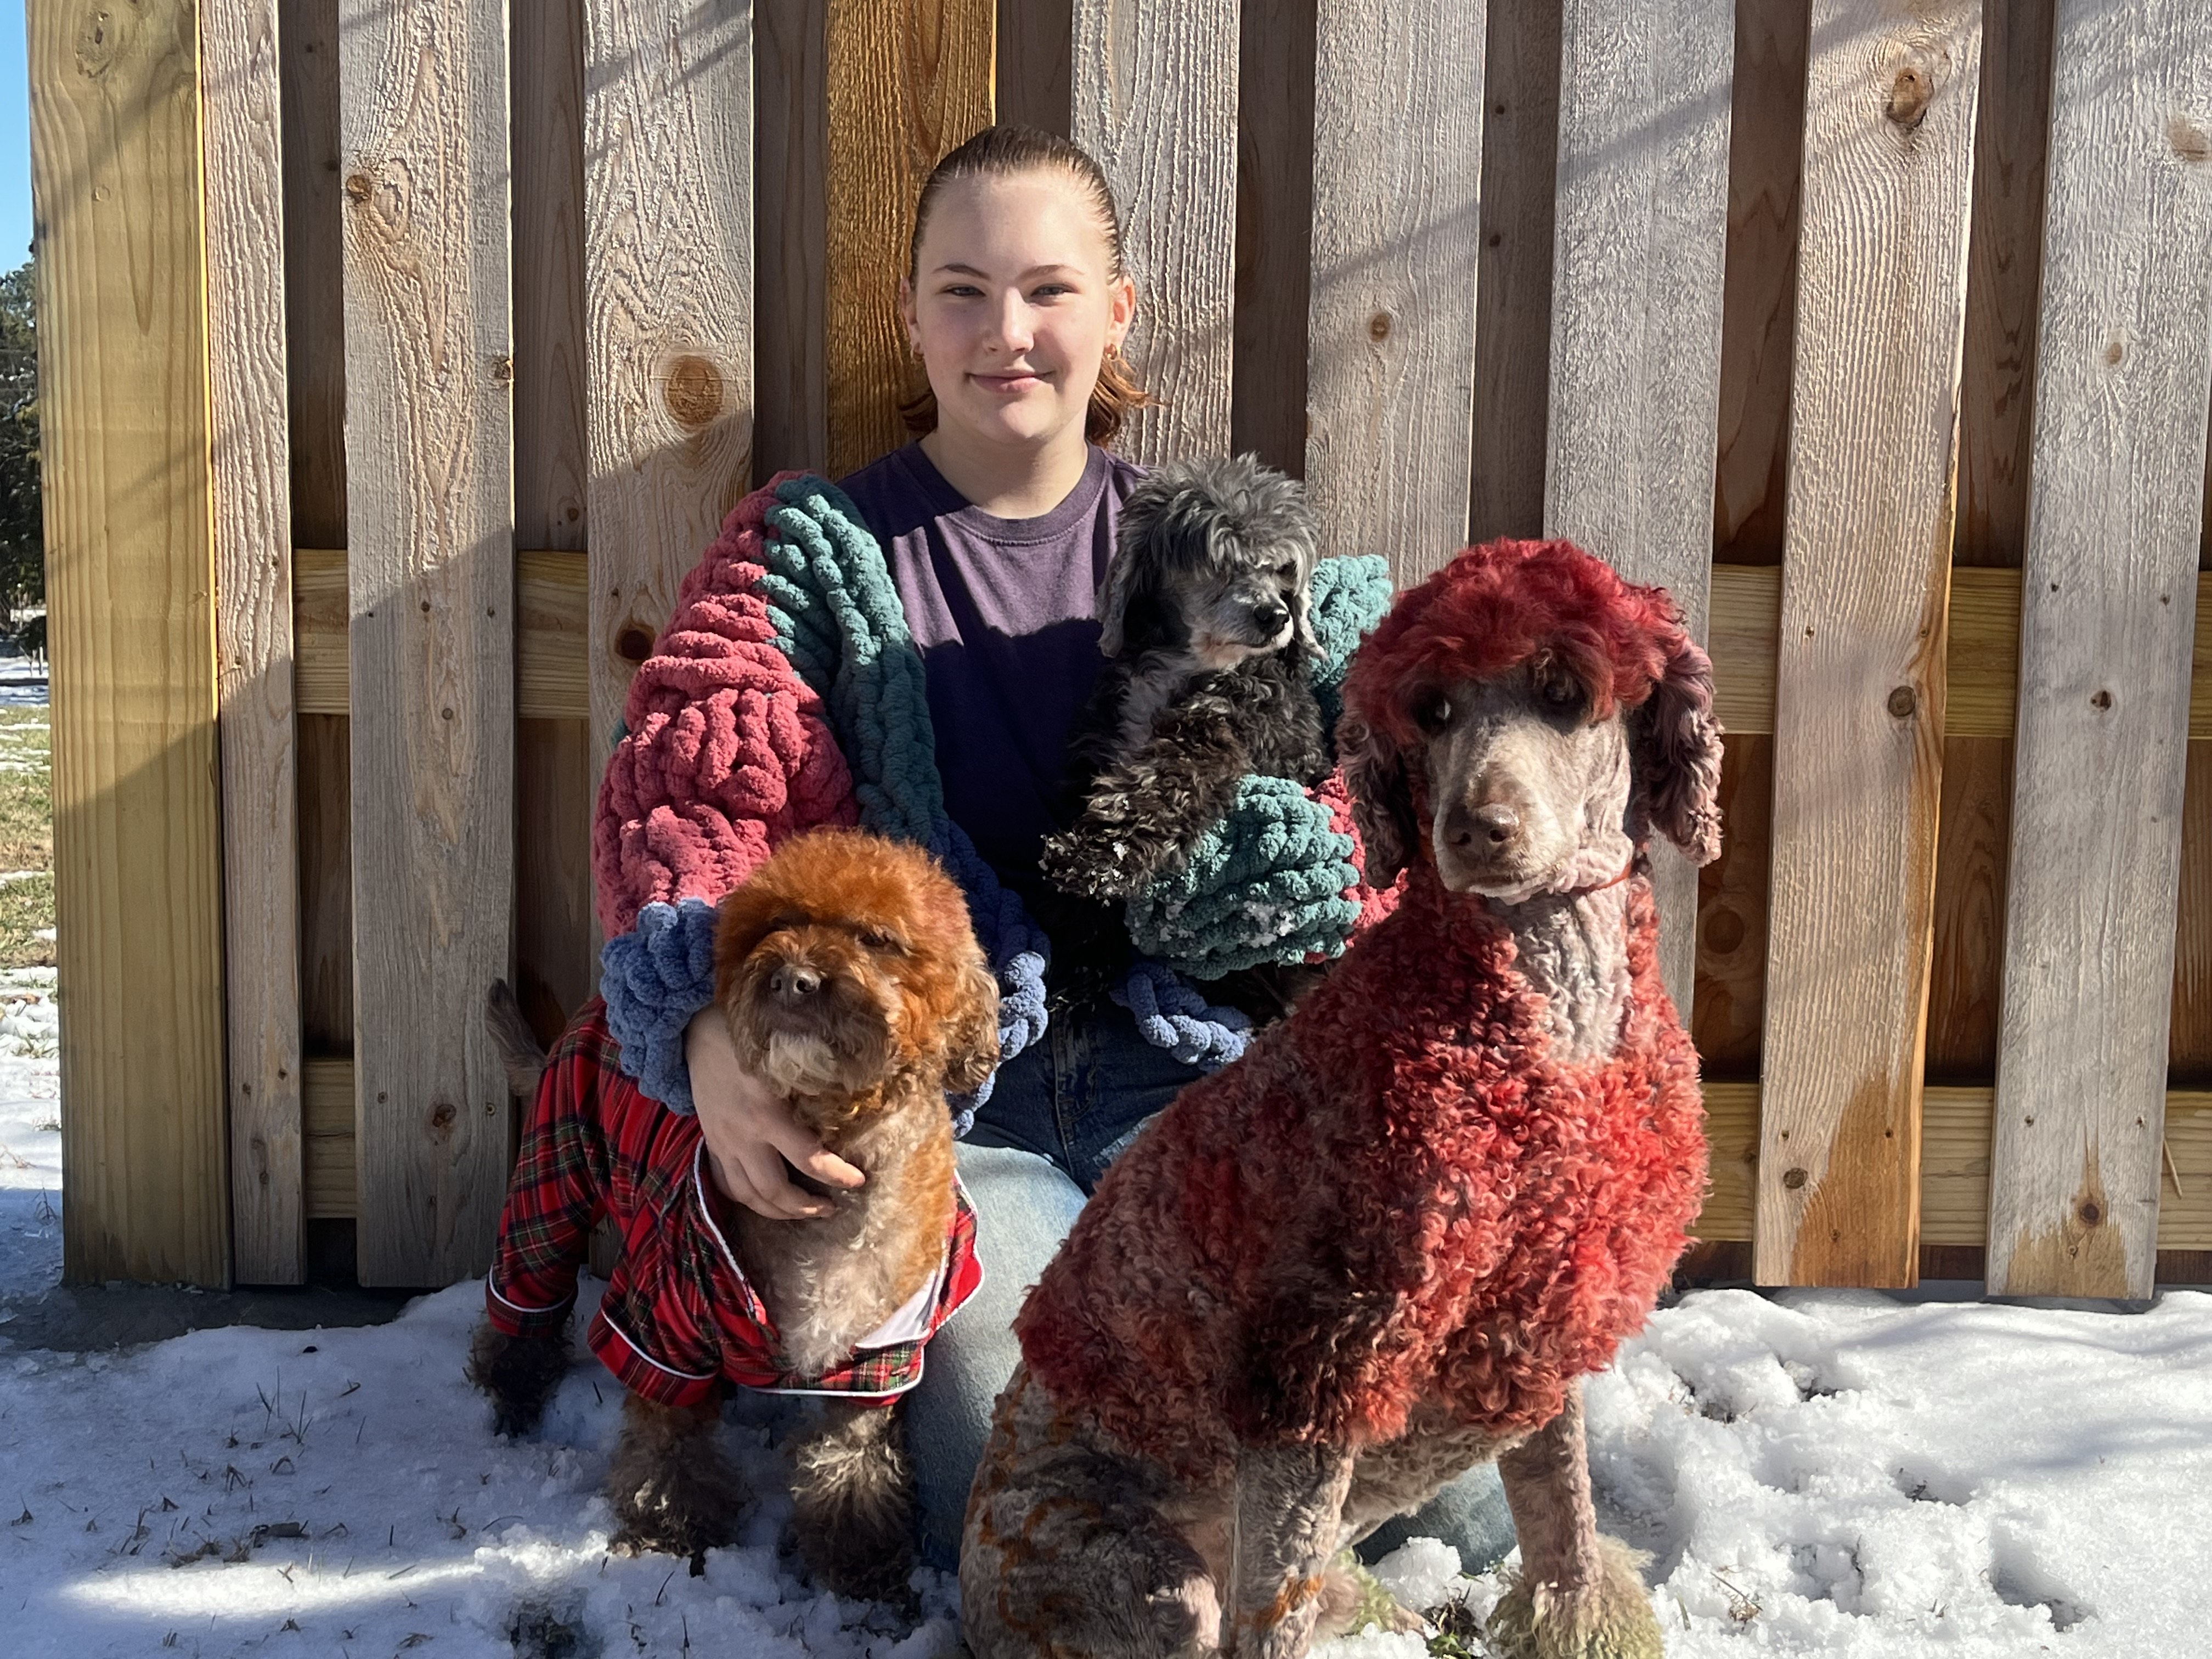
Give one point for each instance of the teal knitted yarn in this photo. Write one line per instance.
(1347, 599)
(1268, 884)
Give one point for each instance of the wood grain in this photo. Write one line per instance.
(326, 846)
(1640, 230)
(669, 275)
(1274, 232)
(1397, 136)
(1859, 677)
(1955, 1168)
(1036, 52)
(1759, 327)
(2122, 372)
(331, 1192)
(790, 147)
(2188, 1047)
(1513, 266)
(2004, 262)
(907, 81)
(242, 142)
(557, 778)
(1728, 1018)
(429, 362)
(552, 460)
(123, 390)
(1966, 961)
(314, 260)
(1155, 102)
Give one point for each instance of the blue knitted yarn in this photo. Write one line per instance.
(1172, 1015)
(1347, 599)
(654, 979)
(1266, 885)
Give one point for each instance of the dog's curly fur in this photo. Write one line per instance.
(850, 976)
(1204, 619)
(1385, 1244)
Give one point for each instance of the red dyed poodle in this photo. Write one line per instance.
(1386, 1244)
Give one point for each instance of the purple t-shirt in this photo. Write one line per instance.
(1004, 611)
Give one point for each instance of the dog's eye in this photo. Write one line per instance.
(1288, 570)
(876, 939)
(788, 919)
(1561, 691)
(1432, 712)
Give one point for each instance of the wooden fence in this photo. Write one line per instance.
(398, 359)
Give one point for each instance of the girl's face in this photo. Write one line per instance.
(1011, 307)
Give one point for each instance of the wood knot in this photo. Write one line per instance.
(1903, 701)
(1908, 97)
(1793, 1179)
(2188, 140)
(694, 392)
(2114, 350)
(633, 644)
(2101, 699)
(357, 186)
(441, 1118)
(1378, 326)
(503, 371)
(2090, 1214)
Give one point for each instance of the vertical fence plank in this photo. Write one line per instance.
(1397, 159)
(1513, 281)
(242, 137)
(1155, 101)
(1859, 686)
(430, 575)
(791, 144)
(1035, 55)
(1639, 235)
(668, 135)
(1767, 147)
(1726, 1019)
(2123, 367)
(553, 777)
(907, 81)
(122, 385)
(1274, 232)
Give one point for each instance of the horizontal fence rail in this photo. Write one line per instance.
(506, 307)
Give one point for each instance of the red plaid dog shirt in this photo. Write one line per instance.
(678, 1315)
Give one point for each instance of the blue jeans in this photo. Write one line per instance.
(1059, 1113)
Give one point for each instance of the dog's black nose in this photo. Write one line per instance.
(1494, 823)
(1270, 615)
(794, 981)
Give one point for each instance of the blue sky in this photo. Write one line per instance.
(14, 140)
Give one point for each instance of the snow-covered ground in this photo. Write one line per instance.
(1820, 1472)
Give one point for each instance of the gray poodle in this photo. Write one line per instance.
(1203, 615)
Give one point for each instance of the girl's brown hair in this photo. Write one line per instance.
(1003, 152)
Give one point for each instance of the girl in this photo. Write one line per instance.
(997, 526)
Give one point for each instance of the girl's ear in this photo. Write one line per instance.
(1121, 311)
(1675, 746)
(1381, 798)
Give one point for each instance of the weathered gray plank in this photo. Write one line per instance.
(1397, 124)
(2123, 365)
(1889, 129)
(1155, 101)
(241, 137)
(430, 577)
(668, 142)
(1640, 233)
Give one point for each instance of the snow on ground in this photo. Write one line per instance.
(1821, 1473)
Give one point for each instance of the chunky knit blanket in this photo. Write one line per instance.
(786, 693)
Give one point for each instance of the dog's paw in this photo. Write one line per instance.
(518, 1374)
(1609, 1618)
(1092, 864)
(1353, 1599)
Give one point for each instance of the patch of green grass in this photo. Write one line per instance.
(27, 837)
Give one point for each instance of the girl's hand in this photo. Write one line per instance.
(751, 1132)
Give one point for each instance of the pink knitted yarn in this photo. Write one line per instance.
(728, 751)
(1374, 902)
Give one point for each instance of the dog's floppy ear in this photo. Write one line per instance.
(1131, 579)
(1301, 599)
(1381, 798)
(971, 1037)
(1675, 747)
